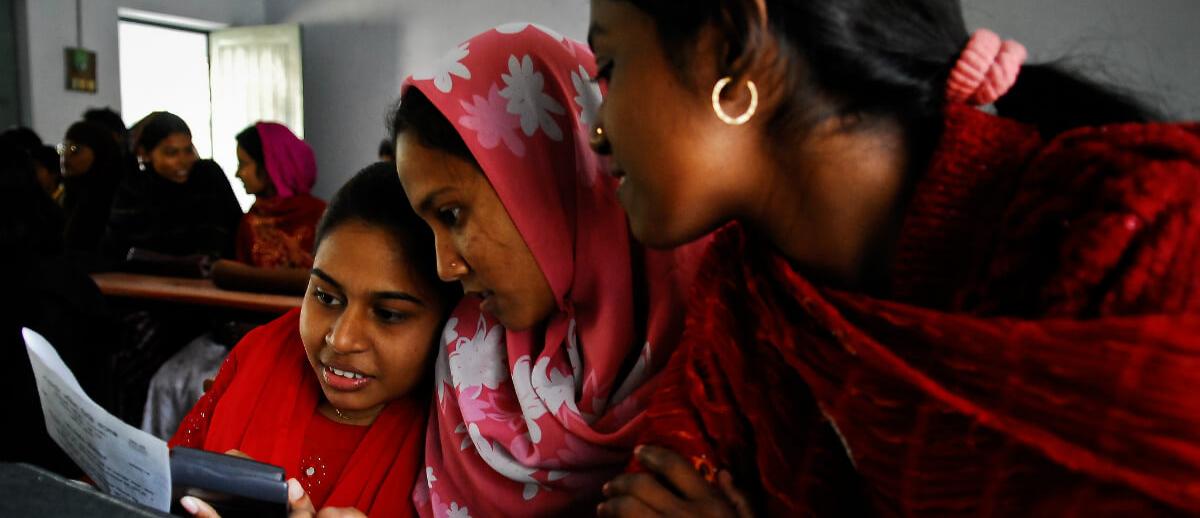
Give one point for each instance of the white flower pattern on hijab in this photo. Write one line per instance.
(492, 122)
(441, 70)
(500, 460)
(532, 408)
(454, 511)
(527, 98)
(478, 361)
(587, 96)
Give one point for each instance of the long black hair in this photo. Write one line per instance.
(874, 57)
(157, 128)
(416, 113)
(374, 196)
(251, 142)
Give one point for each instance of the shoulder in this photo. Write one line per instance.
(270, 338)
(207, 166)
(1106, 220)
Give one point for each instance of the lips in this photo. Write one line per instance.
(487, 300)
(344, 379)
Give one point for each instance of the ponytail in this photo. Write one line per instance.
(1056, 100)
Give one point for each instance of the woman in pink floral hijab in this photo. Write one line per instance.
(547, 365)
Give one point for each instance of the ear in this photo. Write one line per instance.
(747, 50)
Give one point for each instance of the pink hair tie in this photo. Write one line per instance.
(986, 70)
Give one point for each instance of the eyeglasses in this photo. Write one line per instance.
(65, 149)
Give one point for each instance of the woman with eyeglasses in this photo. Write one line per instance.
(91, 168)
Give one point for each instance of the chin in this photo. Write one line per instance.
(652, 233)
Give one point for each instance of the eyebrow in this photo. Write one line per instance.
(387, 295)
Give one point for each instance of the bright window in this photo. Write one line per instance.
(166, 69)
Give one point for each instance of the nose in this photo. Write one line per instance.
(450, 265)
(348, 334)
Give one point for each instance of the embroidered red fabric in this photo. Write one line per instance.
(1039, 352)
(279, 232)
(264, 403)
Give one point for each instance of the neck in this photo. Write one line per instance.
(833, 206)
(351, 417)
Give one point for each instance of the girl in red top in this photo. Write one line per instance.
(331, 392)
(911, 305)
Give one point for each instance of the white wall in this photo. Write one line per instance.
(357, 52)
(48, 26)
(1152, 46)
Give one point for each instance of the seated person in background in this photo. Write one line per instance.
(275, 239)
(91, 165)
(111, 120)
(387, 151)
(178, 208)
(48, 170)
(337, 392)
(50, 297)
(274, 253)
(45, 159)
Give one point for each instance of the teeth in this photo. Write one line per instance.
(347, 374)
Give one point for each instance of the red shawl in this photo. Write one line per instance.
(262, 402)
(279, 232)
(1039, 352)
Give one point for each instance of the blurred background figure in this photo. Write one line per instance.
(56, 300)
(91, 167)
(387, 151)
(177, 213)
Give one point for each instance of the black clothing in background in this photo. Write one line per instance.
(47, 294)
(87, 198)
(199, 216)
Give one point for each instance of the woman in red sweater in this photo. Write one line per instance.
(911, 305)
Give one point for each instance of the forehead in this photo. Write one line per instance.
(366, 258)
(423, 169)
(176, 140)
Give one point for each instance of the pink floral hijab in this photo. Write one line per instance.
(534, 422)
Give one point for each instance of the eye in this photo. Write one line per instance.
(603, 72)
(325, 298)
(390, 316)
(449, 215)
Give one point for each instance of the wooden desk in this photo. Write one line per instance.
(190, 291)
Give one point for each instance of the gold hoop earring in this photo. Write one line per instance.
(716, 102)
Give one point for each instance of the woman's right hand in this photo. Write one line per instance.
(299, 504)
(671, 487)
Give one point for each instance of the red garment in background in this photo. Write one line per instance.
(264, 403)
(279, 232)
(1039, 352)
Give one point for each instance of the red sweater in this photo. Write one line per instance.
(1039, 351)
